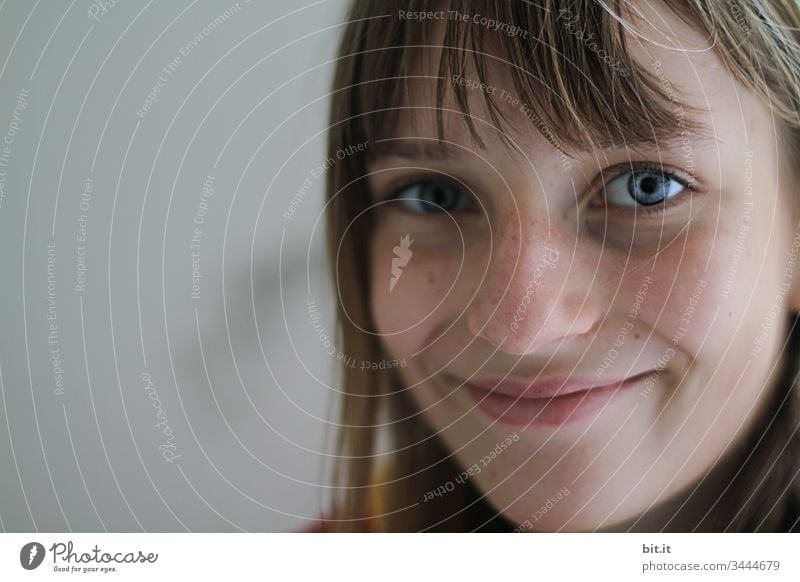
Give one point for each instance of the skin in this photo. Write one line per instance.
(652, 459)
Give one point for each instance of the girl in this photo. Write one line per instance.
(567, 249)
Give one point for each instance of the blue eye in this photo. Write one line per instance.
(431, 197)
(643, 187)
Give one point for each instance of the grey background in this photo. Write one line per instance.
(239, 373)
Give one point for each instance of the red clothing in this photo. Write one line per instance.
(377, 503)
(319, 526)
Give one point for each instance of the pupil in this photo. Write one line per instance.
(648, 188)
(649, 185)
(440, 196)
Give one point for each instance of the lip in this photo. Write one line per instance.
(552, 402)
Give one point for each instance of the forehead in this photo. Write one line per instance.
(670, 52)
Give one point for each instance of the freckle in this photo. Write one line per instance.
(636, 335)
(730, 313)
(431, 278)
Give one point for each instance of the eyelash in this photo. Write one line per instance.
(607, 177)
(668, 173)
(424, 179)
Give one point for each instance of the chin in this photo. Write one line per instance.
(568, 509)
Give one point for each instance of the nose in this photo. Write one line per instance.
(537, 289)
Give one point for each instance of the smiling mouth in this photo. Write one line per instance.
(554, 402)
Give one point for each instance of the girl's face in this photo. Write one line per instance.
(589, 335)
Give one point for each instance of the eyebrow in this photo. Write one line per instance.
(414, 148)
(432, 149)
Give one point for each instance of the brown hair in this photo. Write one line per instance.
(578, 102)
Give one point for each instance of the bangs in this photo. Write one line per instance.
(569, 65)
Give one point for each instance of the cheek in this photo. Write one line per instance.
(408, 292)
(715, 301)
(682, 294)
(714, 287)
